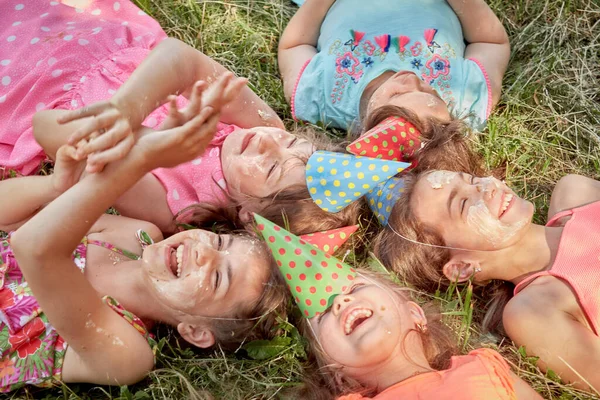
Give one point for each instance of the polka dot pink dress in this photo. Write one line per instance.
(56, 56)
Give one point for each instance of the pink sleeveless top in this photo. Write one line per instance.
(578, 259)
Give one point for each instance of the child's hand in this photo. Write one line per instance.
(171, 147)
(67, 168)
(179, 117)
(108, 134)
(223, 91)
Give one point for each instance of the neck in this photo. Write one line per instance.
(372, 87)
(126, 282)
(397, 369)
(535, 252)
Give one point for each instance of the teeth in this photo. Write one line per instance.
(358, 313)
(179, 255)
(507, 200)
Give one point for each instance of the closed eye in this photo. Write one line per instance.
(463, 202)
(271, 169)
(293, 142)
(217, 279)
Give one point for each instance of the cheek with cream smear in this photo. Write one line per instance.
(492, 229)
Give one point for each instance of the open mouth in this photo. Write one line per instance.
(175, 259)
(507, 202)
(355, 319)
(246, 141)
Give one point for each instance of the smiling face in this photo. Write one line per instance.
(365, 327)
(405, 89)
(261, 161)
(470, 212)
(197, 272)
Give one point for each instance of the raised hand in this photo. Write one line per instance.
(171, 147)
(179, 117)
(108, 134)
(67, 168)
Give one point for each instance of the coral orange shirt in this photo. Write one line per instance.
(482, 374)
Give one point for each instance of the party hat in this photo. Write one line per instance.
(393, 139)
(382, 199)
(335, 180)
(330, 241)
(313, 277)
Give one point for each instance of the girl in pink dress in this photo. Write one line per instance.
(77, 57)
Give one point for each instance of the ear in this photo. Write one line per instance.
(199, 336)
(245, 215)
(417, 313)
(460, 268)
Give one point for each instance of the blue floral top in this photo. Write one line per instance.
(359, 40)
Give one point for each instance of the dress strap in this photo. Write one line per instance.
(112, 248)
(143, 238)
(558, 215)
(521, 285)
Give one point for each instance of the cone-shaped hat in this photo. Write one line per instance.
(314, 277)
(330, 241)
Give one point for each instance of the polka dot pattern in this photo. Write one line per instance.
(315, 278)
(393, 139)
(332, 190)
(382, 199)
(329, 241)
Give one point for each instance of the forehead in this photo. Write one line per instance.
(249, 260)
(432, 190)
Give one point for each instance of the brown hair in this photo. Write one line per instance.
(292, 207)
(420, 265)
(445, 144)
(256, 320)
(438, 342)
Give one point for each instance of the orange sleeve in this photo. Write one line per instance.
(498, 371)
(351, 396)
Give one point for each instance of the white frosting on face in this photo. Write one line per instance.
(491, 228)
(437, 179)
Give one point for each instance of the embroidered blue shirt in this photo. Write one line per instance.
(359, 40)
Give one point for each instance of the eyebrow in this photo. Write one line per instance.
(229, 272)
(453, 194)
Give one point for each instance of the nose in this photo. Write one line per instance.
(340, 302)
(266, 143)
(204, 255)
(486, 187)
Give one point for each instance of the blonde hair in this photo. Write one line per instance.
(439, 345)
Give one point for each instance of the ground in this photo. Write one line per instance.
(545, 126)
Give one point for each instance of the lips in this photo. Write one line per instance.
(506, 203)
(355, 318)
(246, 141)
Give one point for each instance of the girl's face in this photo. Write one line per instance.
(197, 272)
(261, 161)
(405, 89)
(470, 212)
(365, 327)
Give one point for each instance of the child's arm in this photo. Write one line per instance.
(298, 43)
(103, 341)
(172, 68)
(488, 41)
(523, 390)
(22, 197)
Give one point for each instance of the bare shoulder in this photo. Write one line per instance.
(573, 191)
(541, 299)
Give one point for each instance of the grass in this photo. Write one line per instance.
(546, 126)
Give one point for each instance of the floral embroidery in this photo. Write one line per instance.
(347, 64)
(357, 53)
(416, 63)
(368, 47)
(416, 49)
(437, 66)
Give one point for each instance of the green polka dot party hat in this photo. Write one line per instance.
(313, 276)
